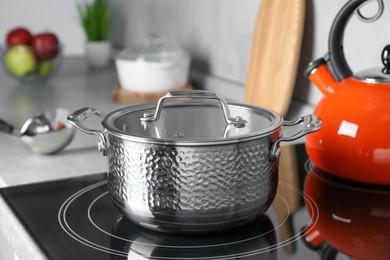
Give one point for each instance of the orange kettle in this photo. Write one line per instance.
(354, 142)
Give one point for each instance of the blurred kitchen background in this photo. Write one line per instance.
(217, 33)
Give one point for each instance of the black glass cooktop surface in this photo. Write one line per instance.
(76, 219)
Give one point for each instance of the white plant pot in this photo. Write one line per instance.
(98, 53)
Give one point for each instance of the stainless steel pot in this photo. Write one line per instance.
(195, 165)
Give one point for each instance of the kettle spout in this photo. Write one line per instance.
(318, 73)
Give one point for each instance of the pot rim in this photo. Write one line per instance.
(109, 127)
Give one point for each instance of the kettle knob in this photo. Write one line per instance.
(386, 59)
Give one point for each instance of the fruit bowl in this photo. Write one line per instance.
(24, 65)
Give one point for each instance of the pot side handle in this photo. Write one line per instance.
(310, 123)
(76, 119)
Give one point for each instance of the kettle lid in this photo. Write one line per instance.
(377, 75)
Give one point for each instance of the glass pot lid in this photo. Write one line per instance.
(205, 119)
(153, 50)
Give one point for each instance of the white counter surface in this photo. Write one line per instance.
(73, 87)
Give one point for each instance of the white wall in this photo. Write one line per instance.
(217, 32)
(58, 16)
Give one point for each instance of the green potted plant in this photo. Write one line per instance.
(96, 19)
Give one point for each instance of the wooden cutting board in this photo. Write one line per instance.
(272, 71)
(276, 49)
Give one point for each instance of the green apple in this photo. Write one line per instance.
(45, 67)
(20, 60)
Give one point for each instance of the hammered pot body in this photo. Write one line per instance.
(193, 166)
(196, 189)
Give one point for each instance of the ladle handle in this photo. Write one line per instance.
(337, 59)
(6, 127)
(76, 119)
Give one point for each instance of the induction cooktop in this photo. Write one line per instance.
(76, 219)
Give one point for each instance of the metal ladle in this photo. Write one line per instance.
(45, 133)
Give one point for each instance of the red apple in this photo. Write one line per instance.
(18, 36)
(45, 45)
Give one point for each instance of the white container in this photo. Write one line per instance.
(152, 67)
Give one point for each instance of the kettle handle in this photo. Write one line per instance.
(337, 59)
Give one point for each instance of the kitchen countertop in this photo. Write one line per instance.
(73, 87)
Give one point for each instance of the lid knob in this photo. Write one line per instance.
(386, 59)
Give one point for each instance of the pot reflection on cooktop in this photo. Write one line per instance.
(256, 241)
(90, 218)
